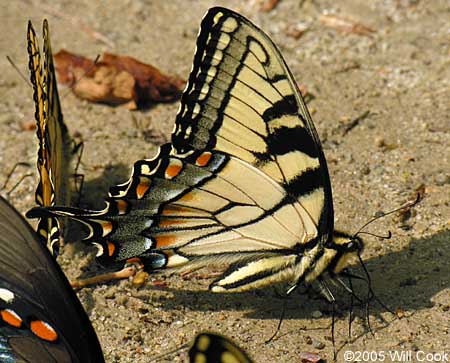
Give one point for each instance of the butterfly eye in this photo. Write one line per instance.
(352, 246)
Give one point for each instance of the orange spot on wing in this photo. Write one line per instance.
(122, 206)
(43, 331)
(173, 170)
(11, 318)
(142, 187)
(203, 159)
(111, 248)
(164, 241)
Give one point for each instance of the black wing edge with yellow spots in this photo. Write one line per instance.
(214, 348)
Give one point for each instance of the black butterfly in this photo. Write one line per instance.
(215, 348)
(41, 318)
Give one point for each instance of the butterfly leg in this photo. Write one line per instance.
(8, 178)
(289, 291)
(283, 311)
(132, 268)
(126, 272)
(326, 292)
(78, 149)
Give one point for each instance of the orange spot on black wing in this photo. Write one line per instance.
(122, 206)
(165, 241)
(203, 159)
(111, 248)
(142, 187)
(173, 170)
(11, 318)
(43, 330)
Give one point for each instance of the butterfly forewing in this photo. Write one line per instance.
(54, 142)
(241, 99)
(57, 134)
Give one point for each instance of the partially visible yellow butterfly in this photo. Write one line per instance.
(214, 348)
(55, 145)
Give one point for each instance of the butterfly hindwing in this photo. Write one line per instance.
(41, 319)
(54, 151)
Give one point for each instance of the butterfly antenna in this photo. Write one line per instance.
(388, 236)
(406, 206)
(27, 81)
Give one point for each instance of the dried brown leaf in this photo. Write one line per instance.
(116, 80)
(107, 85)
(151, 84)
(68, 65)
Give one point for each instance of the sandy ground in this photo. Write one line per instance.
(400, 74)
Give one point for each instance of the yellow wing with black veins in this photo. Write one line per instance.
(54, 151)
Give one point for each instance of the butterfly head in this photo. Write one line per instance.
(348, 249)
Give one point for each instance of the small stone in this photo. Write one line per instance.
(380, 142)
(109, 294)
(365, 170)
(122, 300)
(318, 344)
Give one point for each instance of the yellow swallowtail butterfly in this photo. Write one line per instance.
(55, 145)
(244, 180)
